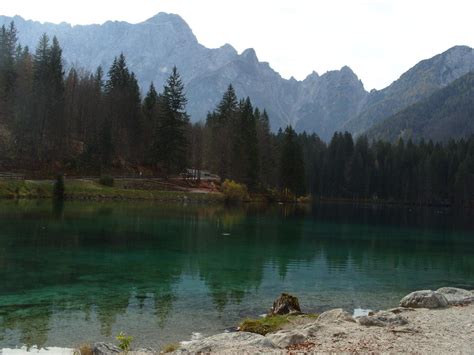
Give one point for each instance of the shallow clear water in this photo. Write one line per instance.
(83, 272)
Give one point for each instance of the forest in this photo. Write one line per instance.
(54, 120)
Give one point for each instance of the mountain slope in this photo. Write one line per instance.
(154, 46)
(416, 84)
(447, 114)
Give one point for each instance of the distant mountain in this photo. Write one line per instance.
(154, 46)
(325, 102)
(416, 84)
(446, 114)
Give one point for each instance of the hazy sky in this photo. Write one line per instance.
(378, 39)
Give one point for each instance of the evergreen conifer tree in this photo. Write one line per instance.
(292, 164)
(171, 140)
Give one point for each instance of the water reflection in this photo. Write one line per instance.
(84, 271)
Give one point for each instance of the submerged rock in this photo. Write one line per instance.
(228, 342)
(382, 319)
(424, 299)
(286, 304)
(335, 316)
(456, 296)
(284, 338)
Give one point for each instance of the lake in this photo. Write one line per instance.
(81, 272)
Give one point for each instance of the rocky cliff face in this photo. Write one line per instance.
(318, 104)
(326, 102)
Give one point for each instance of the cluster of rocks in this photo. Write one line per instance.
(336, 322)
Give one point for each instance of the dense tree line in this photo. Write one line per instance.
(91, 123)
(423, 173)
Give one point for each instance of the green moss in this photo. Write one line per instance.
(270, 324)
(264, 325)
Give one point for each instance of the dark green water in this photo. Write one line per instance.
(86, 271)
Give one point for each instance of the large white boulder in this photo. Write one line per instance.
(284, 338)
(228, 342)
(456, 296)
(424, 299)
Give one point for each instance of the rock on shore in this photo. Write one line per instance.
(228, 342)
(456, 296)
(424, 299)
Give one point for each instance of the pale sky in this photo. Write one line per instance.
(378, 39)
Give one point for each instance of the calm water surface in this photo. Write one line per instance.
(83, 272)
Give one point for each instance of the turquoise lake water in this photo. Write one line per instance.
(83, 272)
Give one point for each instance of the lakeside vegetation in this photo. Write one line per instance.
(272, 323)
(79, 189)
(83, 124)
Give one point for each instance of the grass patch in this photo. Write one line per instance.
(169, 348)
(264, 325)
(25, 189)
(270, 324)
(78, 189)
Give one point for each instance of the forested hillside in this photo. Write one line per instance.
(418, 83)
(447, 114)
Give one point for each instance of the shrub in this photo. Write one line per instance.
(287, 196)
(58, 190)
(234, 192)
(106, 181)
(305, 199)
(86, 349)
(169, 348)
(124, 341)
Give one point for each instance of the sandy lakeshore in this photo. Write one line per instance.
(446, 327)
(449, 330)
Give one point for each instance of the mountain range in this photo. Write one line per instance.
(322, 104)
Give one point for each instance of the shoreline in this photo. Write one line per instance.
(87, 189)
(425, 322)
(92, 190)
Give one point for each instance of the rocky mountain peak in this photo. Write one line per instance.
(172, 25)
(164, 17)
(312, 77)
(250, 55)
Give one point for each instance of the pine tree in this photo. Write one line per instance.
(221, 124)
(123, 111)
(151, 124)
(292, 164)
(8, 74)
(171, 137)
(23, 128)
(249, 141)
(48, 90)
